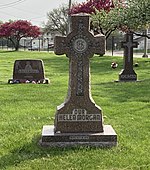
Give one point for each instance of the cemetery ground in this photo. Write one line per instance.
(25, 108)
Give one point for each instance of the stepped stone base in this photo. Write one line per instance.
(118, 81)
(106, 139)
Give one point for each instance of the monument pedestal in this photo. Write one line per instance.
(108, 138)
(78, 115)
(127, 75)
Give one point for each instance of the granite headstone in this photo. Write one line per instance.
(79, 121)
(26, 71)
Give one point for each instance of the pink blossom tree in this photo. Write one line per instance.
(91, 6)
(16, 30)
(110, 15)
(95, 7)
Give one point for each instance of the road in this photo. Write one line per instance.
(120, 53)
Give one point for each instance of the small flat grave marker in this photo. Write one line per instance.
(28, 71)
(128, 74)
(78, 121)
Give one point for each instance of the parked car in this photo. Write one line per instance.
(50, 45)
(34, 48)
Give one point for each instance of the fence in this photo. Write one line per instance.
(27, 44)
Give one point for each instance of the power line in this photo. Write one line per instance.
(31, 18)
(28, 19)
(26, 11)
(2, 12)
(11, 4)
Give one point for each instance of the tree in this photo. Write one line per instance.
(90, 6)
(124, 15)
(107, 22)
(57, 20)
(15, 30)
(101, 13)
(136, 17)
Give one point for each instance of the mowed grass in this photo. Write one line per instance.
(25, 108)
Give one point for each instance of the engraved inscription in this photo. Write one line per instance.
(77, 117)
(80, 45)
(128, 76)
(28, 68)
(80, 89)
(79, 111)
(79, 137)
(80, 26)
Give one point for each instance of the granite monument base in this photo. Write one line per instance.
(108, 138)
(120, 81)
(127, 76)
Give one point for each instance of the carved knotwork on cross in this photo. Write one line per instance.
(79, 46)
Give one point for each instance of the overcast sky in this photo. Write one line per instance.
(31, 10)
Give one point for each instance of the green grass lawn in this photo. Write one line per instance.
(25, 108)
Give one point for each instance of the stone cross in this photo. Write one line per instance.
(128, 74)
(79, 113)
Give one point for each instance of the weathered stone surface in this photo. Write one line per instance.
(28, 70)
(128, 74)
(79, 113)
(108, 138)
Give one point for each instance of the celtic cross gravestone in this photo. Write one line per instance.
(128, 74)
(79, 46)
(79, 120)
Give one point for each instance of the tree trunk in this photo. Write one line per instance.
(17, 46)
(145, 44)
(15, 43)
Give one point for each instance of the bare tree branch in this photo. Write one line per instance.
(140, 34)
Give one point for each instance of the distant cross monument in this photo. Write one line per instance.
(79, 120)
(128, 74)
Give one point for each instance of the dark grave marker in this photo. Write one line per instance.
(28, 71)
(128, 74)
(79, 121)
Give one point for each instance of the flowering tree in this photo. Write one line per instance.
(136, 17)
(99, 11)
(15, 30)
(109, 15)
(107, 21)
(90, 6)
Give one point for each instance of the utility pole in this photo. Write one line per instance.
(69, 18)
(145, 44)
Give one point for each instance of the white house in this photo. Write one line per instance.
(141, 41)
(44, 42)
